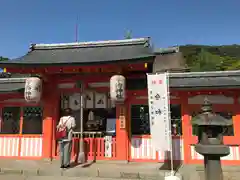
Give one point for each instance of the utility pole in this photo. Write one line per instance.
(76, 31)
(81, 154)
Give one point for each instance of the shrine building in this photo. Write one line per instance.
(27, 130)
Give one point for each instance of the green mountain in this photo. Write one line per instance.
(211, 58)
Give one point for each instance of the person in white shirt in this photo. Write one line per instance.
(66, 121)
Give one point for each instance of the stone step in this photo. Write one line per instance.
(16, 177)
(103, 170)
(82, 173)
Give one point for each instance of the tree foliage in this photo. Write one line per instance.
(3, 58)
(211, 58)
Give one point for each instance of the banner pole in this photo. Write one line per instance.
(81, 155)
(170, 125)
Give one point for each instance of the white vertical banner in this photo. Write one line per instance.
(158, 99)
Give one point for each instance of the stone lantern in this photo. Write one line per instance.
(210, 140)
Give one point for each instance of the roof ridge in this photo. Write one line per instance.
(168, 50)
(134, 41)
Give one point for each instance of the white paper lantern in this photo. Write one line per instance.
(117, 88)
(33, 89)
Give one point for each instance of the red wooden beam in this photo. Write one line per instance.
(11, 96)
(92, 78)
(228, 92)
(117, 67)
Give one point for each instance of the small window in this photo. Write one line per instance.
(140, 120)
(32, 120)
(10, 120)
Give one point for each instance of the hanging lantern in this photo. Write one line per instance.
(117, 88)
(33, 89)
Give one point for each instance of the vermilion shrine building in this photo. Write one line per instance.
(28, 130)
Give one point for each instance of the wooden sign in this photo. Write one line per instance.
(122, 120)
(89, 99)
(108, 146)
(100, 100)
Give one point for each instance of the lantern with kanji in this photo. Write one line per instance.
(33, 89)
(117, 88)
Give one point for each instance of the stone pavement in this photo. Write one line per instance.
(38, 169)
(15, 177)
(196, 172)
(43, 170)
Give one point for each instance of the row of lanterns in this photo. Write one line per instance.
(33, 89)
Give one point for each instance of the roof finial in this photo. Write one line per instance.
(128, 34)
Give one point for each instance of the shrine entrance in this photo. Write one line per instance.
(99, 121)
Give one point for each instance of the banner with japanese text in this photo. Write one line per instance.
(158, 99)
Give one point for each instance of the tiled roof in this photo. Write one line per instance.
(85, 53)
(216, 79)
(11, 82)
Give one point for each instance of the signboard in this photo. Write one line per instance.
(75, 101)
(158, 99)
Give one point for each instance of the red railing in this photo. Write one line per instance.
(94, 148)
(21, 146)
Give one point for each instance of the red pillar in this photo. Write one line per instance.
(122, 128)
(56, 117)
(236, 120)
(186, 125)
(50, 104)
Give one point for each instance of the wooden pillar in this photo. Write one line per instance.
(56, 117)
(122, 127)
(186, 135)
(50, 103)
(236, 119)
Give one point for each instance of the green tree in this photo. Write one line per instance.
(234, 66)
(3, 58)
(205, 61)
(207, 58)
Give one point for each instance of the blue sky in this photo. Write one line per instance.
(167, 22)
